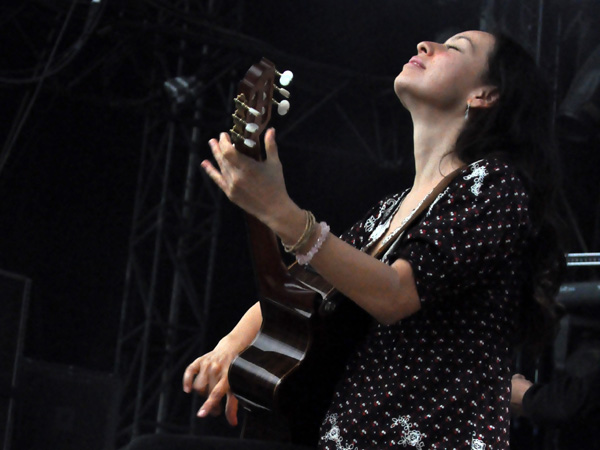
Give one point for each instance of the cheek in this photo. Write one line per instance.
(467, 77)
(456, 81)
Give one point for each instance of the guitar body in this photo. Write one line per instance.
(287, 376)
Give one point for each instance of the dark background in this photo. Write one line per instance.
(72, 131)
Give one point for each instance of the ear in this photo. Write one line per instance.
(484, 97)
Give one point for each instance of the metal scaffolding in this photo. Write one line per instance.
(173, 238)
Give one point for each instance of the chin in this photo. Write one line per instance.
(400, 86)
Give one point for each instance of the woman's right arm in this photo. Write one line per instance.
(207, 375)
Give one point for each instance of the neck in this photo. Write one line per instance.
(434, 138)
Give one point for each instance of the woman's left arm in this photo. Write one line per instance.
(388, 293)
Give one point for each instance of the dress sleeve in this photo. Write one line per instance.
(478, 225)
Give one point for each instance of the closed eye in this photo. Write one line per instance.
(453, 47)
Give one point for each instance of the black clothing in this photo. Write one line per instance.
(440, 378)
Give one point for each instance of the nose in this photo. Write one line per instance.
(426, 47)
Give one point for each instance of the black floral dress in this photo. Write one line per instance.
(440, 378)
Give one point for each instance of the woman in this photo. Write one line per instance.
(447, 296)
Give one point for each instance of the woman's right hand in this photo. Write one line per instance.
(207, 376)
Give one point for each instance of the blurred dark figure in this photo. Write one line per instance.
(567, 406)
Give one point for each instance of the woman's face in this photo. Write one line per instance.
(445, 75)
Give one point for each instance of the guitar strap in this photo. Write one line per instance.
(307, 276)
(437, 190)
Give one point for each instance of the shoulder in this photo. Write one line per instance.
(489, 180)
(488, 186)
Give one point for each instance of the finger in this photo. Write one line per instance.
(271, 145)
(210, 408)
(518, 376)
(225, 139)
(231, 409)
(217, 151)
(215, 376)
(214, 174)
(226, 148)
(189, 374)
(212, 405)
(200, 383)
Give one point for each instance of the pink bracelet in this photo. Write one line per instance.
(307, 258)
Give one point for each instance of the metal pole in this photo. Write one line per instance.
(149, 307)
(18, 352)
(538, 52)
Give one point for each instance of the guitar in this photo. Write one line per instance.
(286, 377)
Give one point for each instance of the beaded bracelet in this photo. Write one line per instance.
(307, 258)
(306, 234)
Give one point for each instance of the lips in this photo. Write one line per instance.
(417, 62)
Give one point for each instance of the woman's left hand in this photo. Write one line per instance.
(256, 187)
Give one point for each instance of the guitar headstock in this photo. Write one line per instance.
(253, 106)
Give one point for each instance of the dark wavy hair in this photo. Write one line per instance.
(519, 129)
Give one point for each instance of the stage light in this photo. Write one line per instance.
(183, 90)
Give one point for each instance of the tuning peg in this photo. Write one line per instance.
(285, 78)
(251, 127)
(282, 107)
(283, 92)
(238, 137)
(242, 105)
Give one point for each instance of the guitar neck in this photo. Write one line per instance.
(266, 256)
(253, 106)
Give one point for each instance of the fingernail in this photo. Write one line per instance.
(202, 413)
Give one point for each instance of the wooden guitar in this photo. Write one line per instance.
(287, 375)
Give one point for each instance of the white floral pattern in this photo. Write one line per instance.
(334, 433)
(477, 444)
(385, 206)
(410, 436)
(478, 173)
